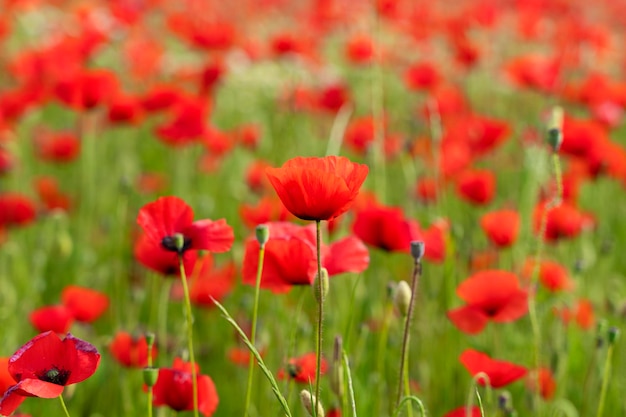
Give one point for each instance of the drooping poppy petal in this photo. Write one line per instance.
(317, 188)
(500, 373)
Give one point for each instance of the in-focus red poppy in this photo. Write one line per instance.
(16, 209)
(174, 388)
(268, 209)
(207, 282)
(152, 255)
(501, 227)
(477, 186)
(490, 295)
(500, 373)
(302, 369)
(318, 188)
(60, 147)
(545, 379)
(552, 275)
(463, 412)
(168, 218)
(45, 365)
(85, 304)
(6, 380)
(130, 351)
(58, 319)
(290, 257)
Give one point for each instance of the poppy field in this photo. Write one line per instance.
(312, 208)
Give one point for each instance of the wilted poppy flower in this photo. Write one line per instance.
(547, 384)
(85, 304)
(45, 365)
(58, 319)
(129, 351)
(501, 227)
(500, 373)
(16, 209)
(174, 388)
(302, 368)
(317, 188)
(290, 257)
(490, 295)
(477, 186)
(168, 217)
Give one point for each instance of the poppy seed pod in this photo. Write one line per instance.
(262, 233)
(308, 400)
(418, 248)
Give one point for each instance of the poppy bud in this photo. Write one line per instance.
(262, 234)
(150, 339)
(336, 369)
(324, 283)
(613, 335)
(402, 297)
(417, 249)
(308, 401)
(555, 129)
(150, 376)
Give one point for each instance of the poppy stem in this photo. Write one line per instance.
(192, 359)
(417, 272)
(320, 313)
(63, 405)
(255, 309)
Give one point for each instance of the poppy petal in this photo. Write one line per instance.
(214, 236)
(468, 319)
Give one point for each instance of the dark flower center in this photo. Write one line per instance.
(176, 243)
(55, 376)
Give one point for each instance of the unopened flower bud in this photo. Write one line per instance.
(336, 369)
(402, 298)
(150, 339)
(308, 401)
(555, 129)
(417, 249)
(324, 283)
(613, 335)
(150, 376)
(262, 234)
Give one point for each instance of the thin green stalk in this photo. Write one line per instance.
(417, 272)
(67, 414)
(192, 359)
(255, 309)
(474, 390)
(409, 399)
(150, 342)
(378, 109)
(346, 366)
(320, 313)
(606, 377)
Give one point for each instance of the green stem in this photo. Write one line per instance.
(408, 400)
(417, 272)
(255, 310)
(192, 359)
(320, 313)
(63, 405)
(346, 366)
(606, 376)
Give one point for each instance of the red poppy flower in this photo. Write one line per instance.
(290, 257)
(86, 89)
(161, 97)
(187, 124)
(45, 365)
(564, 221)
(58, 319)
(60, 147)
(129, 351)
(268, 209)
(427, 190)
(164, 219)
(360, 49)
(302, 369)
(552, 275)
(6, 380)
(208, 282)
(422, 76)
(153, 256)
(124, 109)
(500, 373)
(7, 161)
(50, 195)
(477, 186)
(16, 210)
(85, 304)
(333, 97)
(174, 388)
(385, 228)
(317, 188)
(547, 384)
(501, 227)
(490, 295)
(249, 135)
(462, 412)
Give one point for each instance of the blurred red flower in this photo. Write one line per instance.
(174, 389)
(85, 304)
(360, 49)
(477, 186)
(207, 282)
(385, 228)
(290, 257)
(267, 209)
(58, 319)
(318, 188)
(500, 373)
(563, 221)
(60, 147)
(45, 365)
(545, 378)
(130, 351)
(552, 275)
(501, 227)
(167, 217)
(50, 195)
(187, 123)
(462, 412)
(302, 368)
(86, 89)
(490, 295)
(422, 76)
(16, 210)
